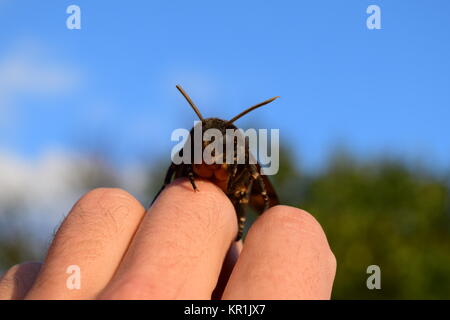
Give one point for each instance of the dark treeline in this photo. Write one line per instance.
(375, 212)
(382, 212)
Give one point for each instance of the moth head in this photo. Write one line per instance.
(216, 123)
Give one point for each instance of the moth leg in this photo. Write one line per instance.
(240, 211)
(239, 194)
(167, 180)
(238, 182)
(233, 179)
(234, 168)
(257, 177)
(191, 178)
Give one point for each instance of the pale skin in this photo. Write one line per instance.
(181, 248)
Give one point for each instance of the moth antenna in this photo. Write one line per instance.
(185, 95)
(243, 113)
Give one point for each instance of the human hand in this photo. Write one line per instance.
(182, 248)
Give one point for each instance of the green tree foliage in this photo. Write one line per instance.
(374, 212)
(382, 212)
(15, 245)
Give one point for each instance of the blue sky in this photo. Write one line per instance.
(113, 81)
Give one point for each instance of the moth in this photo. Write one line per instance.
(241, 181)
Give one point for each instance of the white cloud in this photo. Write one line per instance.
(44, 190)
(40, 191)
(32, 181)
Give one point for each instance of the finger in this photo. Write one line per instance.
(227, 267)
(285, 256)
(180, 246)
(88, 246)
(16, 282)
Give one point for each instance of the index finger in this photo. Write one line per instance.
(179, 248)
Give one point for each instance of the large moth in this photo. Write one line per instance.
(241, 181)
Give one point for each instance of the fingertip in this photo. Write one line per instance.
(287, 217)
(179, 248)
(208, 208)
(108, 199)
(18, 280)
(296, 226)
(93, 237)
(286, 255)
(183, 187)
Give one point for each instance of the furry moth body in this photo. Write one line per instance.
(243, 183)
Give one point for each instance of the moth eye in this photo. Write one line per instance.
(240, 193)
(237, 193)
